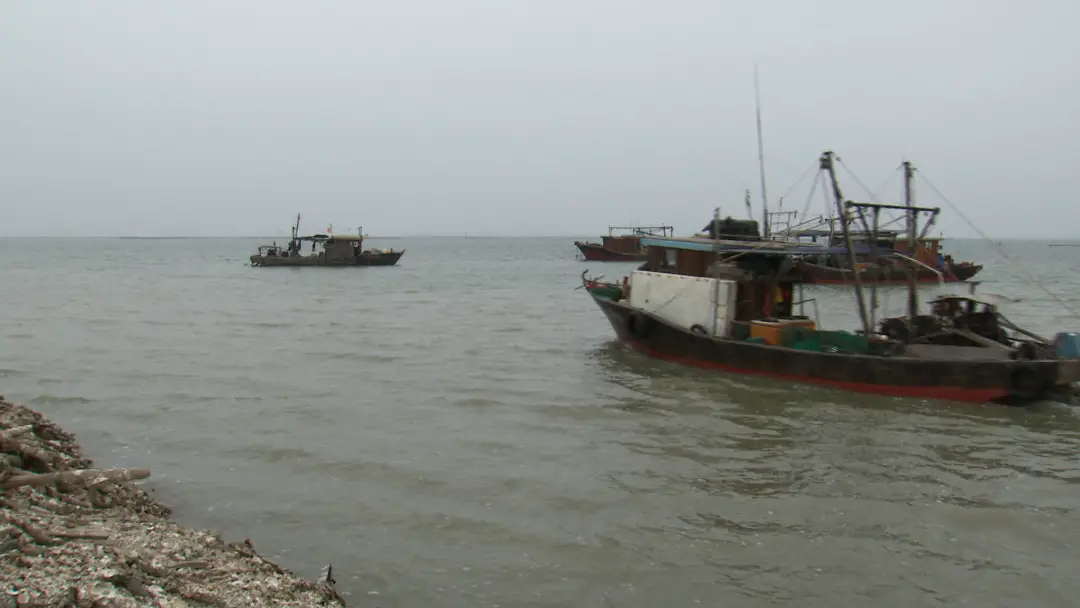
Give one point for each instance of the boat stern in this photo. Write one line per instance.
(1068, 373)
(966, 270)
(1056, 379)
(1067, 351)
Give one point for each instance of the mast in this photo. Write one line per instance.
(872, 236)
(761, 157)
(294, 244)
(830, 209)
(716, 284)
(827, 165)
(913, 284)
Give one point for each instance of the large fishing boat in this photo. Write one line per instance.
(817, 267)
(622, 243)
(731, 306)
(934, 266)
(337, 250)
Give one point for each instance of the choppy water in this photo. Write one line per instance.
(461, 431)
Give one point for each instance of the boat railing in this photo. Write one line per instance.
(940, 275)
(656, 231)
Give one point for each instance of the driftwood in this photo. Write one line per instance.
(91, 477)
(29, 548)
(41, 537)
(29, 451)
(84, 534)
(8, 434)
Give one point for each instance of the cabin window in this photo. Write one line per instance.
(928, 245)
(671, 256)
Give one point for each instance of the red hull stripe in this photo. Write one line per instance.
(952, 393)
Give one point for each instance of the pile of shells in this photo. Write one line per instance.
(74, 536)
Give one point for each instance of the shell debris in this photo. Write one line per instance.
(72, 535)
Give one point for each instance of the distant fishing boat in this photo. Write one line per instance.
(337, 250)
(622, 243)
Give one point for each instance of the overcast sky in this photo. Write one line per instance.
(552, 117)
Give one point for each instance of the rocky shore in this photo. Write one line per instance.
(75, 536)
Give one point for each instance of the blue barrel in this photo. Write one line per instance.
(1067, 345)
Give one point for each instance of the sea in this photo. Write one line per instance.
(463, 430)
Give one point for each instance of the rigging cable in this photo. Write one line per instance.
(998, 250)
(856, 178)
(798, 183)
(809, 198)
(876, 193)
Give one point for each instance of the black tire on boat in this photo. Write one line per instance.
(699, 329)
(896, 349)
(897, 329)
(638, 324)
(1024, 382)
(1027, 351)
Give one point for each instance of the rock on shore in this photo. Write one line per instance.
(81, 537)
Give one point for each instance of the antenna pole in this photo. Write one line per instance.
(761, 156)
(716, 283)
(913, 285)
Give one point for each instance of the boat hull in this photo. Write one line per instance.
(598, 253)
(362, 259)
(957, 380)
(824, 275)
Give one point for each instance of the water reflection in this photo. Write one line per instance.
(751, 437)
(778, 486)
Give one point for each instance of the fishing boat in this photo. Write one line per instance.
(736, 306)
(622, 243)
(817, 267)
(931, 263)
(326, 250)
(934, 266)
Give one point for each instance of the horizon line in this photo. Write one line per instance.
(459, 236)
(366, 236)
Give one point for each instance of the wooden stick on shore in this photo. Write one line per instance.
(8, 434)
(81, 534)
(91, 477)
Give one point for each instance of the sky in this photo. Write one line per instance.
(527, 117)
